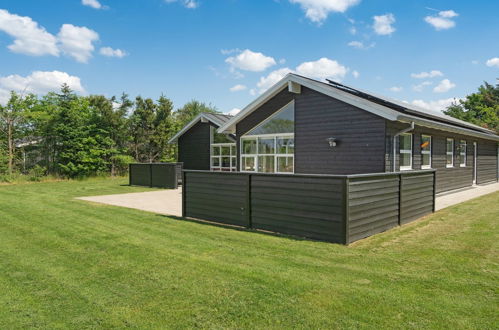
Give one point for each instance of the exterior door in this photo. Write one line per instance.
(474, 161)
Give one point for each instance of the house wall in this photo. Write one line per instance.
(446, 178)
(194, 147)
(360, 134)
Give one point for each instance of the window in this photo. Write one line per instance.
(270, 146)
(425, 151)
(405, 141)
(223, 152)
(450, 153)
(462, 153)
(223, 157)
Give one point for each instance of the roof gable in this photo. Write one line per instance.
(214, 118)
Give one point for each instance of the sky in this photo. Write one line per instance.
(227, 52)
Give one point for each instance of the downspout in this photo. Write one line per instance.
(405, 130)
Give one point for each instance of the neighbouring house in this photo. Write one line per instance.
(305, 126)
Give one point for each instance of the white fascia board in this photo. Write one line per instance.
(200, 117)
(446, 127)
(356, 101)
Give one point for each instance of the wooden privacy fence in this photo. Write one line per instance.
(159, 175)
(333, 208)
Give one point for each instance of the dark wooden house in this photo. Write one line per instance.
(305, 126)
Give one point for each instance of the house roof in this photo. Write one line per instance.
(387, 108)
(216, 119)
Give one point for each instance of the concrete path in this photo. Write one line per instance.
(167, 202)
(455, 197)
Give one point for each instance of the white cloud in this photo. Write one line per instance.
(266, 82)
(444, 86)
(437, 105)
(383, 24)
(29, 37)
(355, 74)
(77, 42)
(237, 88)
(38, 82)
(420, 87)
(361, 45)
(493, 62)
(426, 75)
(191, 4)
(318, 10)
(92, 3)
(442, 21)
(322, 69)
(396, 89)
(108, 51)
(250, 61)
(233, 112)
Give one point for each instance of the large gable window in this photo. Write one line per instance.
(269, 147)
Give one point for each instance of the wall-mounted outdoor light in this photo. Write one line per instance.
(332, 142)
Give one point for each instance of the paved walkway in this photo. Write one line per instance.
(455, 197)
(169, 202)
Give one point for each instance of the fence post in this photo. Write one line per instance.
(346, 213)
(400, 199)
(184, 186)
(434, 190)
(129, 174)
(150, 175)
(248, 202)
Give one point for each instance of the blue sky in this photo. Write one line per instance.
(424, 52)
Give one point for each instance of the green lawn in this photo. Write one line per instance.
(66, 263)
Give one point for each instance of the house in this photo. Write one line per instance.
(201, 147)
(304, 126)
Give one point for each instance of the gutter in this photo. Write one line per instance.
(405, 130)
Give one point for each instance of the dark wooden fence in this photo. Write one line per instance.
(333, 208)
(159, 175)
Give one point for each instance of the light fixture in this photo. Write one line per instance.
(332, 142)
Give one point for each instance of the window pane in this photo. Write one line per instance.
(225, 150)
(405, 142)
(282, 122)
(266, 146)
(285, 164)
(266, 164)
(232, 161)
(249, 147)
(225, 161)
(405, 160)
(450, 145)
(233, 150)
(285, 145)
(248, 164)
(425, 143)
(215, 151)
(425, 160)
(449, 159)
(215, 161)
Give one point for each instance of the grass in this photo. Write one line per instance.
(66, 263)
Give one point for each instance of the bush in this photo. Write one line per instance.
(36, 173)
(120, 163)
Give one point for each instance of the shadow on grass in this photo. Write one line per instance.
(243, 229)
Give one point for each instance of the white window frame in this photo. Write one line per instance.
(406, 151)
(447, 152)
(427, 152)
(463, 154)
(258, 154)
(233, 157)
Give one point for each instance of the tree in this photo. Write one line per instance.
(190, 110)
(480, 108)
(12, 118)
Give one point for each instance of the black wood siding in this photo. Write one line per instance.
(447, 178)
(304, 206)
(317, 117)
(194, 147)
